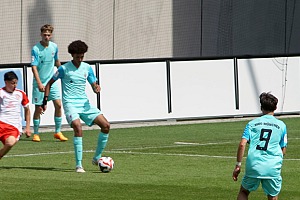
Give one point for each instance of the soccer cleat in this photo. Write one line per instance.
(60, 136)
(36, 138)
(80, 170)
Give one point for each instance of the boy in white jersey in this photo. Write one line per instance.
(267, 137)
(44, 56)
(74, 75)
(11, 100)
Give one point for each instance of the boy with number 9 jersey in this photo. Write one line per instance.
(267, 138)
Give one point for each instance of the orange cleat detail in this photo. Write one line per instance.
(60, 136)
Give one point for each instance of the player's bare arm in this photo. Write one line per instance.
(57, 63)
(283, 150)
(27, 130)
(239, 158)
(37, 78)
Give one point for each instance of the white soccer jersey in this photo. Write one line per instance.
(10, 107)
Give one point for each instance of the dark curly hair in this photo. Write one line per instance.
(268, 102)
(77, 47)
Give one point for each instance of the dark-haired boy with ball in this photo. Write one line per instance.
(74, 75)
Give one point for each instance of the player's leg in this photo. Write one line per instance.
(37, 100)
(36, 123)
(9, 142)
(272, 198)
(92, 115)
(243, 194)
(272, 187)
(102, 122)
(248, 185)
(57, 120)
(73, 120)
(78, 145)
(55, 97)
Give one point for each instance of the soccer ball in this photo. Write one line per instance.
(106, 164)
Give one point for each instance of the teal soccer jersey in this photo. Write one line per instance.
(266, 135)
(73, 81)
(44, 59)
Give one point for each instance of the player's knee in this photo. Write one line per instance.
(105, 127)
(57, 105)
(272, 198)
(10, 141)
(77, 128)
(244, 192)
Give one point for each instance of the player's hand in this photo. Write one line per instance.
(236, 173)
(43, 109)
(41, 88)
(96, 88)
(27, 133)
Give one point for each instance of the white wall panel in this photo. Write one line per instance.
(276, 75)
(202, 88)
(133, 91)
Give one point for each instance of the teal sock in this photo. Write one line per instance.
(102, 141)
(57, 121)
(78, 151)
(36, 125)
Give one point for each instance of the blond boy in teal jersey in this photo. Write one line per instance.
(44, 56)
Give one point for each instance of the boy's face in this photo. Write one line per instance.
(46, 36)
(10, 86)
(77, 58)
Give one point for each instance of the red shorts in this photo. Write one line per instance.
(7, 130)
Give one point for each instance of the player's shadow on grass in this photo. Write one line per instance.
(38, 168)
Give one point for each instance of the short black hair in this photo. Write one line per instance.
(9, 76)
(268, 101)
(77, 47)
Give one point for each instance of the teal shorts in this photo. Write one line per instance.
(86, 113)
(37, 96)
(271, 187)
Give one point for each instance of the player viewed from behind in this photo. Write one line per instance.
(11, 100)
(74, 75)
(44, 56)
(267, 138)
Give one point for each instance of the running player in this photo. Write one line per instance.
(44, 56)
(11, 100)
(74, 75)
(267, 137)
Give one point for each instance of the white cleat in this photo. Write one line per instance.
(80, 170)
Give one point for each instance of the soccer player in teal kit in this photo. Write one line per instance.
(74, 75)
(44, 56)
(267, 138)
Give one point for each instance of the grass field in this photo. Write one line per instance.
(193, 161)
